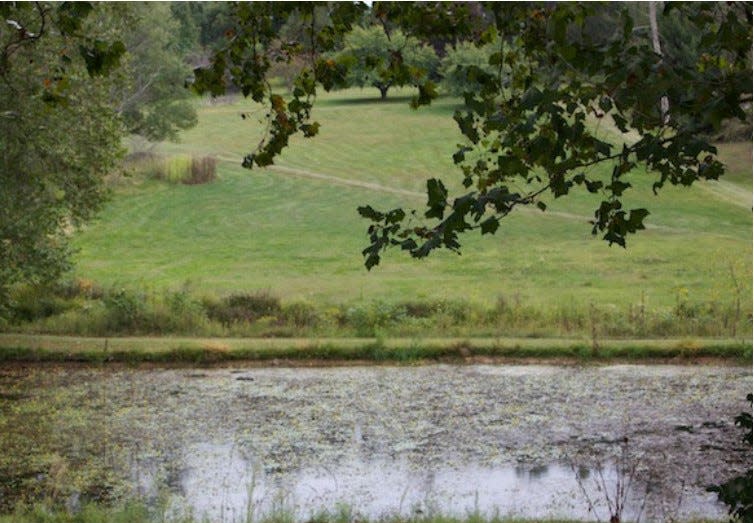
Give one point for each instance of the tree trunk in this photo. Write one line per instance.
(664, 103)
(383, 91)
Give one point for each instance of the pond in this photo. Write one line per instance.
(226, 443)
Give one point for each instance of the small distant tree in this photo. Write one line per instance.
(375, 58)
(461, 65)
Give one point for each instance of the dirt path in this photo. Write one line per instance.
(336, 180)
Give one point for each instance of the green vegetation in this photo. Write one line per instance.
(186, 169)
(148, 92)
(543, 277)
(50, 169)
(133, 350)
(374, 58)
(176, 253)
(138, 513)
(70, 90)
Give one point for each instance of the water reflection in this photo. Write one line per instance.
(221, 482)
(378, 439)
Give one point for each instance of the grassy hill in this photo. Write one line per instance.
(293, 230)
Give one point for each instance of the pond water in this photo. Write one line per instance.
(532, 441)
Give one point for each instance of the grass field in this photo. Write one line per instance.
(299, 236)
(293, 230)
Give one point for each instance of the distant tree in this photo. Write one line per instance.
(374, 58)
(557, 64)
(461, 66)
(58, 134)
(149, 88)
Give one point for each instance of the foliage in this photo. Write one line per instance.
(526, 127)
(460, 64)
(58, 134)
(377, 59)
(83, 308)
(253, 46)
(736, 493)
(148, 89)
(240, 308)
(525, 130)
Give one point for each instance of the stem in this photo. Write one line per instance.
(664, 103)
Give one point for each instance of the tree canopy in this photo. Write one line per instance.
(375, 59)
(75, 78)
(148, 89)
(555, 66)
(58, 134)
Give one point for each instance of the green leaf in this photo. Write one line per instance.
(490, 225)
(606, 104)
(368, 212)
(71, 15)
(437, 199)
(101, 58)
(395, 216)
(636, 219)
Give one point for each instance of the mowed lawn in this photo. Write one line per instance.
(293, 229)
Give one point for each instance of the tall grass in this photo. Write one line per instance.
(135, 512)
(86, 309)
(180, 168)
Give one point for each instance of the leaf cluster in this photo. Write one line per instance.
(736, 493)
(526, 123)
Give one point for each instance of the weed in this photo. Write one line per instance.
(613, 493)
(203, 170)
(126, 310)
(185, 169)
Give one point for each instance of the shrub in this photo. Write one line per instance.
(300, 314)
(80, 288)
(203, 170)
(34, 302)
(126, 310)
(177, 169)
(421, 309)
(246, 307)
(368, 319)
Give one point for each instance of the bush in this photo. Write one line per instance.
(300, 315)
(203, 170)
(126, 311)
(35, 302)
(243, 308)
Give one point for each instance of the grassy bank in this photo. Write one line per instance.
(83, 308)
(24, 348)
(138, 513)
